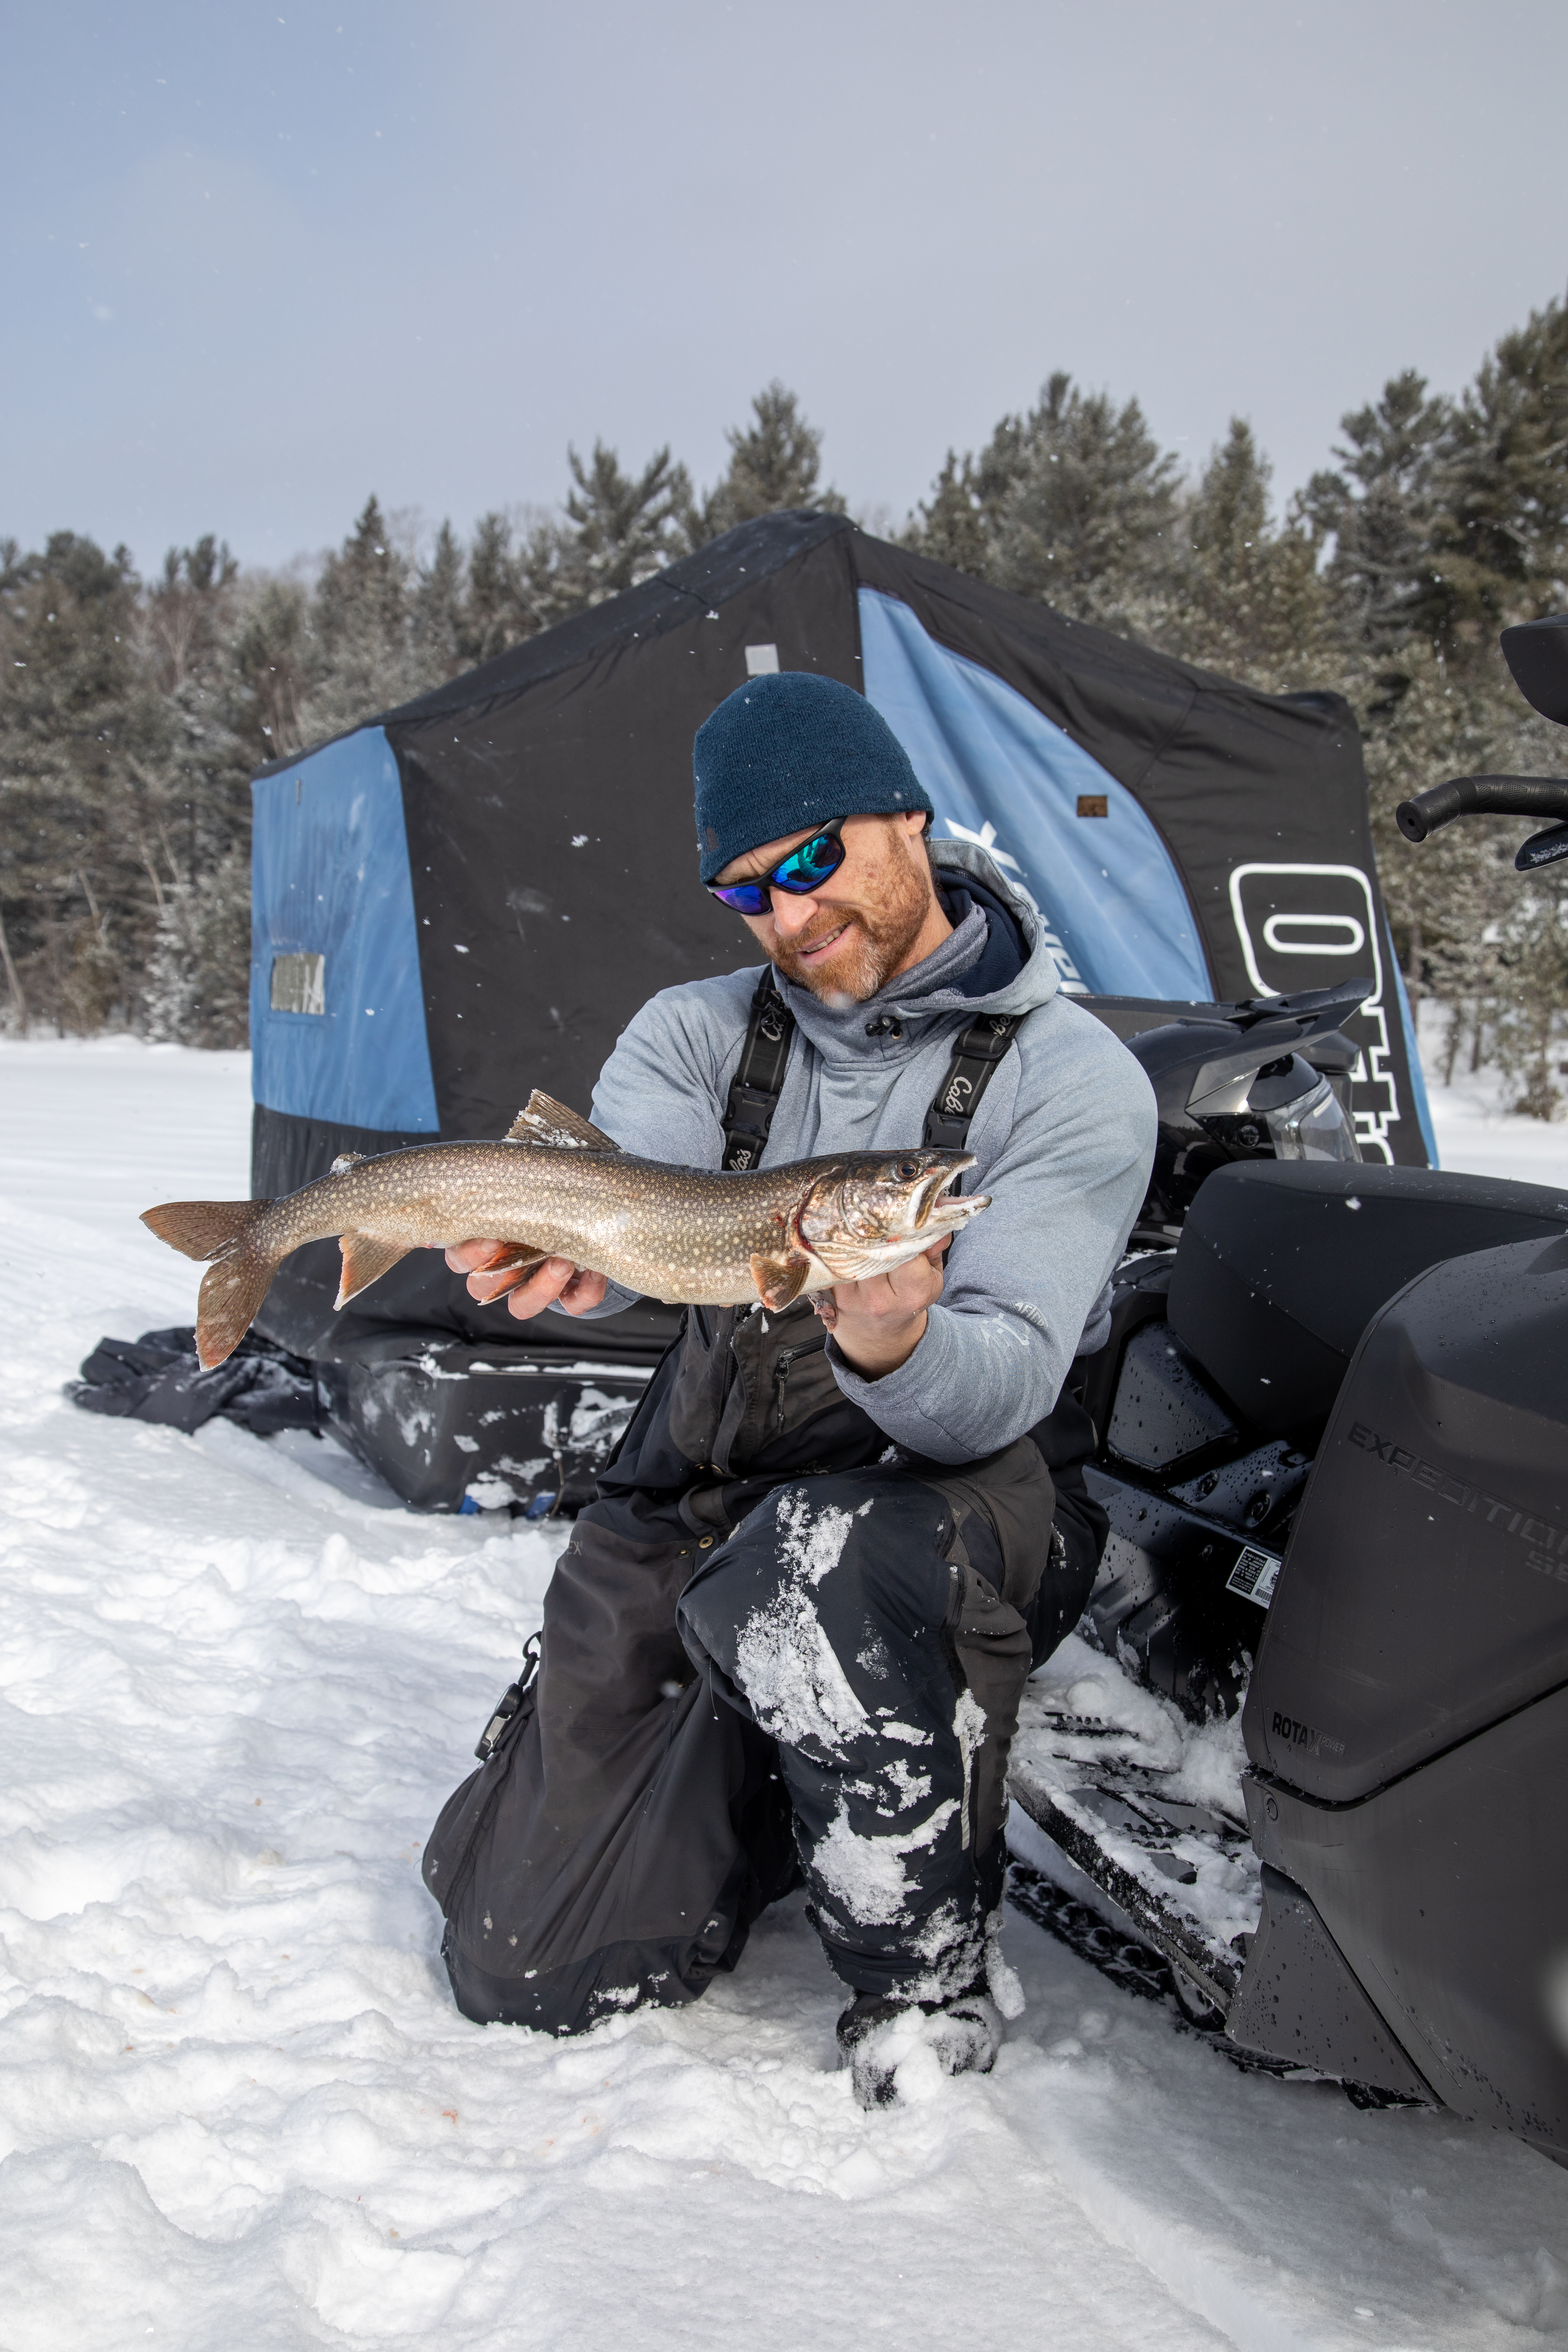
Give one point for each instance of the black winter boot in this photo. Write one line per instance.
(878, 2031)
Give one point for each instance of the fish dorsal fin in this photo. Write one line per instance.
(345, 1161)
(542, 1119)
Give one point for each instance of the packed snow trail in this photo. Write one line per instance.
(237, 2107)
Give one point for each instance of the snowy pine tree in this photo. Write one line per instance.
(954, 526)
(1380, 509)
(774, 465)
(1073, 502)
(272, 665)
(439, 613)
(198, 981)
(619, 530)
(497, 613)
(1081, 500)
(1531, 995)
(81, 729)
(1243, 597)
(365, 654)
(199, 785)
(1501, 536)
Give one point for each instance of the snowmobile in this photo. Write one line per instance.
(1307, 1765)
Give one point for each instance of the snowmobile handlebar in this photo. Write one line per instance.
(1440, 804)
(1533, 796)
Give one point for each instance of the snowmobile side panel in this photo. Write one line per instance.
(1162, 1598)
(1138, 1297)
(1447, 1897)
(1282, 1263)
(1298, 2001)
(1424, 1590)
(1164, 1408)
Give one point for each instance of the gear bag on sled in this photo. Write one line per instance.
(626, 1826)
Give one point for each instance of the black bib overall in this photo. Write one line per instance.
(774, 1646)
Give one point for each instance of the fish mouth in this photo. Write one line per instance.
(937, 1204)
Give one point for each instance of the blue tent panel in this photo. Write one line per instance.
(1413, 1054)
(1002, 774)
(337, 1011)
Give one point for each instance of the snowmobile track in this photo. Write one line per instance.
(1138, 1969)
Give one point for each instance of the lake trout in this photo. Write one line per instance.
(556, 1186)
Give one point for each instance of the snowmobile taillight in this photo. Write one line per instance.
(1313, 1126)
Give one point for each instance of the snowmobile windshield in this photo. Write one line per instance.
(1313, 1126)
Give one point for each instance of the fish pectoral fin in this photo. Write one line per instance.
(779, 1279)
(519, 1254)
(846, 1263)
(344, 1161)
(542, 1119)
(365, 1260)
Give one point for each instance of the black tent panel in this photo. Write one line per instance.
(697, 585)
(553, 842)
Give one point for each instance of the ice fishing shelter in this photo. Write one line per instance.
(470, 896)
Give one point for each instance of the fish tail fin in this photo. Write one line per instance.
(203, 1228)
(235, 1286)
(231, 1295)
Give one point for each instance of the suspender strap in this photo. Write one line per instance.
(759, 1077)
(976, 1053)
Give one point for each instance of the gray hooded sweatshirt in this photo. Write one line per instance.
(1064, 1140)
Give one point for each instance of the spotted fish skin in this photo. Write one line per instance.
(681, 1234)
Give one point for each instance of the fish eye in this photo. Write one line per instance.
(907, 1167)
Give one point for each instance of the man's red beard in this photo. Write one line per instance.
(876, 939)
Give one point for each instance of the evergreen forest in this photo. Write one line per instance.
(134, 710)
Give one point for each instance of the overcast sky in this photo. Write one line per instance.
(261, 260)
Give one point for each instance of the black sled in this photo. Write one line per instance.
(1331, 1440)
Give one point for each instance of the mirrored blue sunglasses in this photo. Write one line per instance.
(800, 873)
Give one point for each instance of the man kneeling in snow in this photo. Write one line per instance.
(791, 1635)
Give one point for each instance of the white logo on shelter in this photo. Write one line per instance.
(1311, 926)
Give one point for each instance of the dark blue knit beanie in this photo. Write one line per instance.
(790, 749)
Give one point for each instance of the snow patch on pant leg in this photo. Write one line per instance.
(865, 1877)
(952, 1948)
(812, 1543)
(785, 1662)
(907, 1788)
(969, 1723)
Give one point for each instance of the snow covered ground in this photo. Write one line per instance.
(1475, 1133)
(237, 2106)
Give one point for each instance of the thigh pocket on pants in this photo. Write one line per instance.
(991, 1645)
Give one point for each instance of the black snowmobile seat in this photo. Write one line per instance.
(1282, 1264)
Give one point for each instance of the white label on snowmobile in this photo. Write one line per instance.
(1255, 1575)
